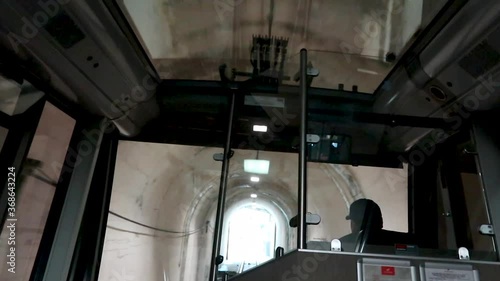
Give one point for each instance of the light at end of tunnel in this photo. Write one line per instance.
(253, 195)
(255, 166)
(259, 128)
(255, 179)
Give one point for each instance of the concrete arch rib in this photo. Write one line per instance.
(344, 181)
(272, 192)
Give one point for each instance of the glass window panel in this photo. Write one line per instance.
(351, 199)
(349, 40)
(35, 189)
(173, 188)
(259, 207)
(461, 209)
(477, 211)
(3, 136)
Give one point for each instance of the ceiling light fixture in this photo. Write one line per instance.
(255, 179)
(260, 128)
(253, 195)
(255, 166)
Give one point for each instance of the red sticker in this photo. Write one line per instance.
(400, 247)
(388, 270)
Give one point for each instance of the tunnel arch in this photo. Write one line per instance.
(274, 193)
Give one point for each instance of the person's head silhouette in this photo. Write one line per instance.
(364, 214)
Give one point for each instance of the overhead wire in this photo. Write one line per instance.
(46, 178)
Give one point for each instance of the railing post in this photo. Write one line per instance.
(302, 194)
(216, 258)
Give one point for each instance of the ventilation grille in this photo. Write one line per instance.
(64, 30)
(480, 60)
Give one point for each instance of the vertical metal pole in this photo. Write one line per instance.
(214, 264)
(301, 230)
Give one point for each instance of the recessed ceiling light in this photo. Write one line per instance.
(255, 179)
(253, 195)
(259, 128)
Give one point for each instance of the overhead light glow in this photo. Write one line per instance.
(367, 71)
(255, 166)
(259, 128)
(253, 195)
(255, 179)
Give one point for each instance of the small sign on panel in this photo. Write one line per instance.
(385, 270)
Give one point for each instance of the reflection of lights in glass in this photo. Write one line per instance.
(259, 128)
(255, 179)
(335, 144)
(253, 195)
(256, 166)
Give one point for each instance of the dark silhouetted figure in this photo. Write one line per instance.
(367, 227)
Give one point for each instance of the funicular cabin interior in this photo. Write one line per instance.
(250, 140)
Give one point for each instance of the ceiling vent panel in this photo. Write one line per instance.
(64, 30)
(480, 60)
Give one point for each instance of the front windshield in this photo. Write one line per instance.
(354, 43)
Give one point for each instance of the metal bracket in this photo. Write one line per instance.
(219, 259)
(220, 156)
(463, 253)
(280, 251)
(312, 138)
(311, 73)
(311, 219)
(336, 245)
(486, 229)
(467, 151)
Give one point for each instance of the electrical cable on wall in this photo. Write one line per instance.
(46, 178)
(155, 228)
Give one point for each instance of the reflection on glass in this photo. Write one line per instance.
(16, 99)
(35, 189)
(353, 72)
(9, 95)
(353, 42)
